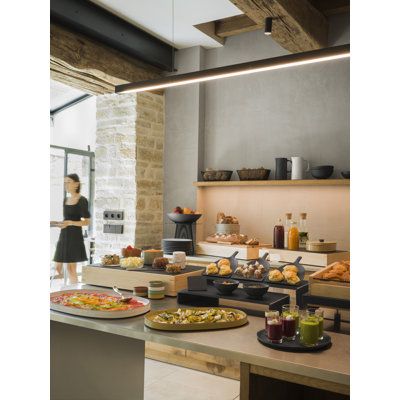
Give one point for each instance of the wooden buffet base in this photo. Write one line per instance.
(329, 371)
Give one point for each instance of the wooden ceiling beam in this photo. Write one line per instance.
(234, 25)
(331, 7)
(298, 26)
(209, 28)
(90, 66)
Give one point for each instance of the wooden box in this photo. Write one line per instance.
(335, 289)
(225, 250)
(123, 279)
(308, 257)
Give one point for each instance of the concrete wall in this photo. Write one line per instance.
(250, 120)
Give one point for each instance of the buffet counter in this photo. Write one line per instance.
(88, 345)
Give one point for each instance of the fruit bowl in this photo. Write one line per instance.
(176, 217)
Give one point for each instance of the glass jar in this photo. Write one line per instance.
(309, 328)
(273, 326)
(303, 231)
(156, 290)
(279, 235)
(287, 227)
(293, 311)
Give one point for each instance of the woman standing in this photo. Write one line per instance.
(70, 247)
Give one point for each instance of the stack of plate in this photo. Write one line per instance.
(171, 245)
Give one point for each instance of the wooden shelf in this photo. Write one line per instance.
(305, 182)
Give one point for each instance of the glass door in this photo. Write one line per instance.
(64, 161)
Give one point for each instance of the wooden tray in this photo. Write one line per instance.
(98, 314)
(328, 288)
(223, 250)
(194, 326)
(128, 279)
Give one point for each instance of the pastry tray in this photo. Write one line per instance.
(294, 345)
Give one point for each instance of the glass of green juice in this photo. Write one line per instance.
(320, 315)
(309, 328)
(292, 310)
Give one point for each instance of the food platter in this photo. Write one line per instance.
(151, 320)
(134, 309)
(110, 265)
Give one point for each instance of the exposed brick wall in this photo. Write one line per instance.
(129, 169)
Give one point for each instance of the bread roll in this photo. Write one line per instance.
(275, 276)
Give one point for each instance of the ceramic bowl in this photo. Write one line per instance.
(346, 174)
(176, 217)
(255, 290)
(226, 288)
(322, 171)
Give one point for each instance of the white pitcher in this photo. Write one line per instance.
(299, 167)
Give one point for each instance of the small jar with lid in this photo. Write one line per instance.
(156, 290)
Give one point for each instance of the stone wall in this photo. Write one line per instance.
(149, 169)
(129, 169)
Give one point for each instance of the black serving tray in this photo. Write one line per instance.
(294, 345)
(149, 268)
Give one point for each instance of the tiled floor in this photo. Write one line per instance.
(169, 382)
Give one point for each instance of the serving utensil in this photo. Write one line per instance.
(123, 298)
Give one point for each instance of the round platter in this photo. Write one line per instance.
(149, 321)
(95, 313)
(294, 345)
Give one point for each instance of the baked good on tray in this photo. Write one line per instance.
(291, 277)
(212, 269)
(275, 276)
(339, 271)
(222, 268)
(233, 238)
(160, 263)
(251, 270)
(173, 268)
(110, 259)
(291, 267)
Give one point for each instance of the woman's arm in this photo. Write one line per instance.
(82, 222)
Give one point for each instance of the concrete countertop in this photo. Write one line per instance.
(240, 344)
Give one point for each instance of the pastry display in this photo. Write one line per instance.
(226, 219)
(173, 268)
(131, 262)
(223, 268)
(275, 276)
(190, 316)
(130, 251)
(340, 271)
(110, 259)
(160, 263)
(251, 270)
(252, 242)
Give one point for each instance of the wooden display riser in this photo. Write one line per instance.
(191, 359)
(245, 252)
(308, 257)
(123, 279)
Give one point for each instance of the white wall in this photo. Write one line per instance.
(75, 127)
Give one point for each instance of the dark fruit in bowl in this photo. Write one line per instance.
(178, 210)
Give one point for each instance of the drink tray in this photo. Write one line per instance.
(294, 345)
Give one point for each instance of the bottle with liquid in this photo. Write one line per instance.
(287, 227)
(303, 231)
(279, 235)
(293, 236)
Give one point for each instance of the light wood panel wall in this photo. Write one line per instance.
(258, 209)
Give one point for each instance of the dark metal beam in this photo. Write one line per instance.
(69, 104)
(99, 24)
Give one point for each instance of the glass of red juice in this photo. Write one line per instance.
(292, 310)
(289, 327)
(273, 326)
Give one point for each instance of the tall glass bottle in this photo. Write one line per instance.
(287, 227)
(303, 231)
(293, 236)
(279, 235)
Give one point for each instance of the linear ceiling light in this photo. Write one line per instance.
(269, 64)
(268, 26)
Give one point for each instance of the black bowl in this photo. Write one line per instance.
(346, 174)
(176, 217)
(255, 290)
(322, 171)
(226, 288)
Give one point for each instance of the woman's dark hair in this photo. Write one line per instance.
(75, 178)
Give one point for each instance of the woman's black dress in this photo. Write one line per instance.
(70, 246)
